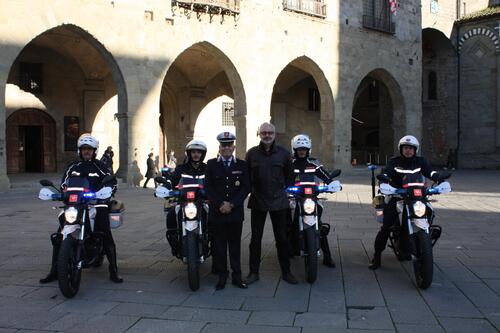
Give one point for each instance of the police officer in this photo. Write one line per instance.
(304, 164)
(193, 166)
(95, 171)
(396, 169)
(227, 184)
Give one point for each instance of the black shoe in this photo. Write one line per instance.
(221, 284)
(375, 263)
(52, 276)
(288, 277)
(328, 262)
(251, 278)
(113, 269)
(239, 284)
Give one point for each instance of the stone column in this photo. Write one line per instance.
(241, 135)
(123, 153)
(326, 147)
(4, 180)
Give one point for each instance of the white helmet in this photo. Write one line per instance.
(301, 141)
(196, 145)
(87, 139)
(409, 140)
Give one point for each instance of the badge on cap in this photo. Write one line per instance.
(237, 183)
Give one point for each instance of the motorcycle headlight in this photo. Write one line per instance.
(70, 214)
(419, 208)
(190, 211)
(309, 206)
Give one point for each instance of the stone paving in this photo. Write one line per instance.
(464, 297)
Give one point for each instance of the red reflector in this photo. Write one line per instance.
(190, 195)
(73, 198)
(417, 192)
(308, 190)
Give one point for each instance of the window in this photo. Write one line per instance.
(377, 16)
(227, 114)
(432, 86)
(314, 99)
(373, 93)
(31, 77)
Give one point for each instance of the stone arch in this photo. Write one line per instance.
(31, 141)
(477, 32)
(71, 43)
(379, 101)
(198, 75)
(300, 74)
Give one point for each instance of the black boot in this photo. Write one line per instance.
(327, 255)
(173, 241)
(375, 263)
(113, 269)
(55, 238)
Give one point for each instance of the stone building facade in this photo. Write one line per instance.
(461, 72)
(139, 74)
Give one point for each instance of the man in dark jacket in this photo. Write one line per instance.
(150, 173)
(396, 169)
(271, 171)
(227, 184)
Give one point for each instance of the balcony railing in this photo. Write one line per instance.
(225, 7)
(379, 24)
(310, 7)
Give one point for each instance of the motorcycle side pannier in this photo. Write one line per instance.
(116, 212)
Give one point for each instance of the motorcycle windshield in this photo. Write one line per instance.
(413, 180)
(190, 186)
(76, 186)
(305, 179)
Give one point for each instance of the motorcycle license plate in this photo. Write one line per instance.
(191, 225)
(309, 220)
(421, 223)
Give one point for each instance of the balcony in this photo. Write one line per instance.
(315, 8)
(379, 24)
(222, 7)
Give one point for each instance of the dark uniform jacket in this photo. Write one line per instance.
(230, 184)
(270, 173)
(186, 169)
(312, 166)
(93, 170)
(399, 166)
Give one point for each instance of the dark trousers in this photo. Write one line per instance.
(227, 235)
(147, 180)
(279, 221)
(391, 218)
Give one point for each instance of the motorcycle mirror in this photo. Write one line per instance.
(160, 179)
(335, 173)
(383, 178)
(45, 182)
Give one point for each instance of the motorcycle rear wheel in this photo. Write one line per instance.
(68, 273)
(193, 261)
(424, 264)
(311, 258)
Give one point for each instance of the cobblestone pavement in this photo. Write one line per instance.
(464, 297)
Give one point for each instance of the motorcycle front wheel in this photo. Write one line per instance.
(424, 264)
(311, 258)
(68, 273)
(193, 261)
